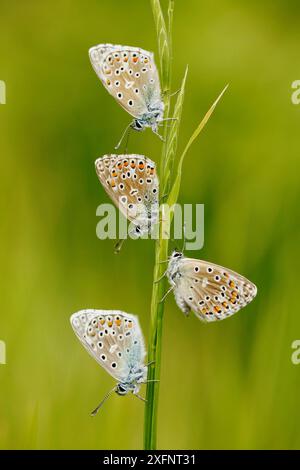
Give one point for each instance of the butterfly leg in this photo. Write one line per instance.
(166, 294)
(160, 278)
(171, 94)
(163, 197)
(149, 363)
(169, 119)
(175, 93)
(141, 398)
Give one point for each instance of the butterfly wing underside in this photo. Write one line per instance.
(112, 337)
(211, 291)
(129, 74)
(132, 183)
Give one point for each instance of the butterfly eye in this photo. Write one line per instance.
(121, 390)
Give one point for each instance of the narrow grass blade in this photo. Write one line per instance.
(176, 186)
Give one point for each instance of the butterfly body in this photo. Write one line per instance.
(130, 75)
(114, 339)
(132, 183)
(210, 291)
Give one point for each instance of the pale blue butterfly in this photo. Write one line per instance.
(130, 75)
(132, 183)
(210, 291)
(115, 339)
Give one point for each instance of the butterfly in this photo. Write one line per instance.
(132, 183)
(130, 75)
(210, 291)
(115, 340)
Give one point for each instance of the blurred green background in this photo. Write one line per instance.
(225, 385)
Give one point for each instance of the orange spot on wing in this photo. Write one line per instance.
(110, 323)
(135, 59)
(118, 322)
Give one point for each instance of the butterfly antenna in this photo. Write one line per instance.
(141, 398)
(118, 246)
(95, 411)
(126, 131)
